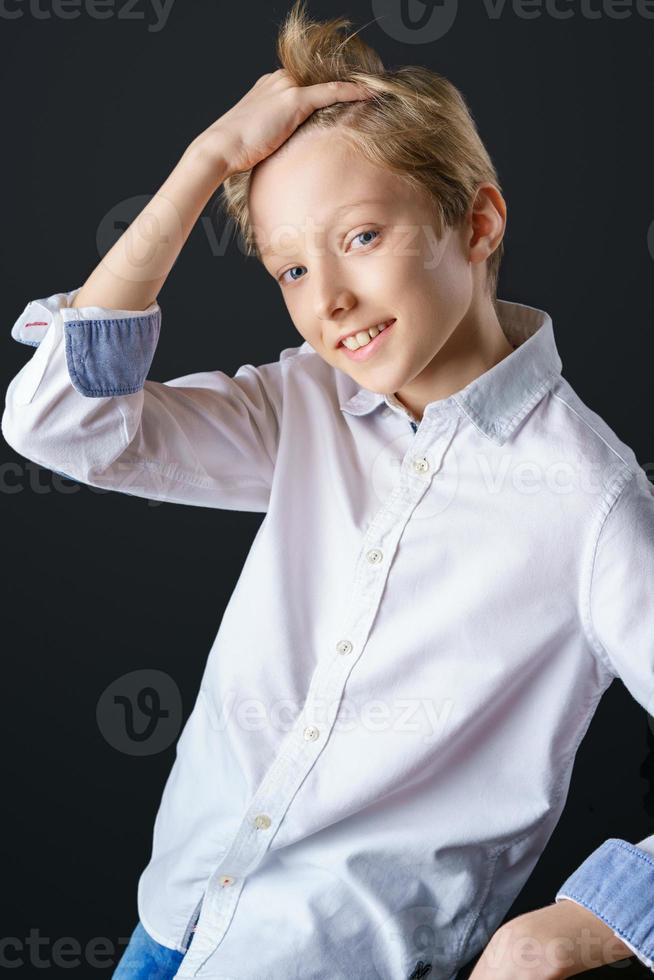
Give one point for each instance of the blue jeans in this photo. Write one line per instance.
(145, 959)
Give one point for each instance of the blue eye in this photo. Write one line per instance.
(292, 269)
(369, 231)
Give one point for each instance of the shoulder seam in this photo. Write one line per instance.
(592, 429)
(609, 501)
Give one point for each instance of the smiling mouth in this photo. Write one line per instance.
(367, 336)
(367, 350)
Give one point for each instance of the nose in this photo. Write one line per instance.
(332, 299)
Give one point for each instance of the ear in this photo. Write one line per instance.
(487, 222)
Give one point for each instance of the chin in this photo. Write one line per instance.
(379, 388)
(385, 385)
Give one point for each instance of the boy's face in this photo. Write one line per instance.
(344, 265)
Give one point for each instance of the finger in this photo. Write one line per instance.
(324, 93)
(274, 76)
(283, 76)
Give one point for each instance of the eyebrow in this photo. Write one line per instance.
(350, 206)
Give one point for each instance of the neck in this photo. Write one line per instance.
(473, 347)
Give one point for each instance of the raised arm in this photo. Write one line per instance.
(82, 406)
(133, 271)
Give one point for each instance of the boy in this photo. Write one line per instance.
(454, 545)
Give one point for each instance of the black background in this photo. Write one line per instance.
(97, 584)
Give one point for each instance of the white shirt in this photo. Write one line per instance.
(386, 726)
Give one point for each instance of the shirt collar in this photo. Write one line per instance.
(498, 400)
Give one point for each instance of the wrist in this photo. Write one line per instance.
(517, 952)
(209, 152)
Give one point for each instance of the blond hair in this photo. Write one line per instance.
(416, 125)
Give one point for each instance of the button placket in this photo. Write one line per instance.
(221, 898)
(302, 749)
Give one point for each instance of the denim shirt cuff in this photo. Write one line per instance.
(108, 352)
(616, 883)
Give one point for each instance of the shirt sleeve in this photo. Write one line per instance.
(616, 881)
(82, 406)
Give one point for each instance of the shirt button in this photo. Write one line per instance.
(262, 821)
(226, 880)
(374, 556)
(344, 646)
(311, 733)
(420, 465)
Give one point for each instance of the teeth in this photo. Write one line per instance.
(363, 337)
